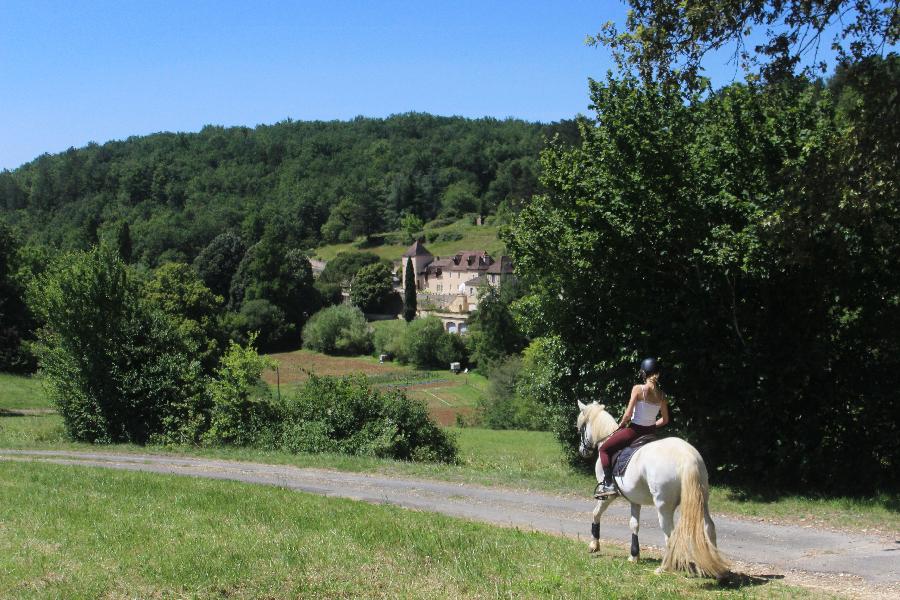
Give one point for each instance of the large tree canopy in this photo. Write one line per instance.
(668, 39)
(751, 240)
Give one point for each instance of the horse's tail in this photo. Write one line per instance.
(689, 546)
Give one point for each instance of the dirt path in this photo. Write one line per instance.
(851, 565)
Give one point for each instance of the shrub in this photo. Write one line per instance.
(340, 329)
(504, 407)
(387, 337)
(242, 412)
(266, 320)
(426, 344)
(346, 415)
(372, 287)
(117, 369)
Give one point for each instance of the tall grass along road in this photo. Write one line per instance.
(784, 549)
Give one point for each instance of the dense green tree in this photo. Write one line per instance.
(744, 239)
(176, 289)
(219, 260)
(264, 320)
(16, 323)
(123, 242)
(116, 368)
(409, 292)
(179, 191)
(493, 331)
(373, 287)
(340, 329)
(343, 267)
(272, 271)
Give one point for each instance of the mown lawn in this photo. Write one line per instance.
(515, 459)
(17, 391)
(78, 532)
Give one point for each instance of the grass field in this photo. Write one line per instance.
(472, 238)
(74, 532)
(21, 392)
(515, 459)
(446, 395)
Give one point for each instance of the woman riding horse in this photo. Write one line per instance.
(647, 402)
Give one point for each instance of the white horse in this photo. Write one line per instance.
(665, 473)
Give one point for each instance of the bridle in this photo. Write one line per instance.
(584, 437)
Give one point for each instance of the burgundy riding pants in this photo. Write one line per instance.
(621, 439)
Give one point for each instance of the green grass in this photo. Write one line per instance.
(77, 532)
(515, 459)
(473, 238)
(17, 391)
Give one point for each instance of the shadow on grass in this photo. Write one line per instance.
(732, 581)
(737, 581)
(889, 502)
(26, 412)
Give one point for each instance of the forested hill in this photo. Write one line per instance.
(329, 181)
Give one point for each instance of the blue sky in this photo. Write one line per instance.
(75, 72)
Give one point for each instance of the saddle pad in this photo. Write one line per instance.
(621, 458)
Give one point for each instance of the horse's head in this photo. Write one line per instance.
(595, 425)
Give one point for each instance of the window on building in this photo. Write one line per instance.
(440, 288)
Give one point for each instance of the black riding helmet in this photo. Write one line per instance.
(649, 366)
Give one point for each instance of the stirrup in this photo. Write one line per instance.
(604, 491)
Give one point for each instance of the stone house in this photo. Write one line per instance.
(448, 287)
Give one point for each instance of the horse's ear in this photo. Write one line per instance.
(581, 405)
(602, 406)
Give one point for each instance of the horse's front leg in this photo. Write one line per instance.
(635, 524)
(601, 507)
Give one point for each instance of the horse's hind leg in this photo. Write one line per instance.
(666, 514)
(708, 523)
(635, 524)
(601, 507)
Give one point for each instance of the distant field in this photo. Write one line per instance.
(472, 238)
(446, 395)
(164, 536)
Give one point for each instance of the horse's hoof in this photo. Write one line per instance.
(659, 570)
(634, 559)
(593, 546)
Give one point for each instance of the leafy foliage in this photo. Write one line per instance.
(264, 320)
(346, 415)
(16, 323)
(344, 267)
(340, 329)
(330, 180)
(494, 334)
(668, 39)
(218, 261)
(734, 238)
(373, 287)
(176, 290)
(241, 412)
(426, 344)
(504, 407)
(117, 369)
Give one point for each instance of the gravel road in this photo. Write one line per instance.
(851, 564)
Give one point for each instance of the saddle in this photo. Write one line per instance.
(621, 458)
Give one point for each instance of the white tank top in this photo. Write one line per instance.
(645, 413)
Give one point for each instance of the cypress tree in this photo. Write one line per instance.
(409, 292)
(123, 241)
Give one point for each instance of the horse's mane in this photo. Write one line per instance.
(602, 423)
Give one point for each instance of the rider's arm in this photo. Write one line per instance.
(663, 413)
(629, 411)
